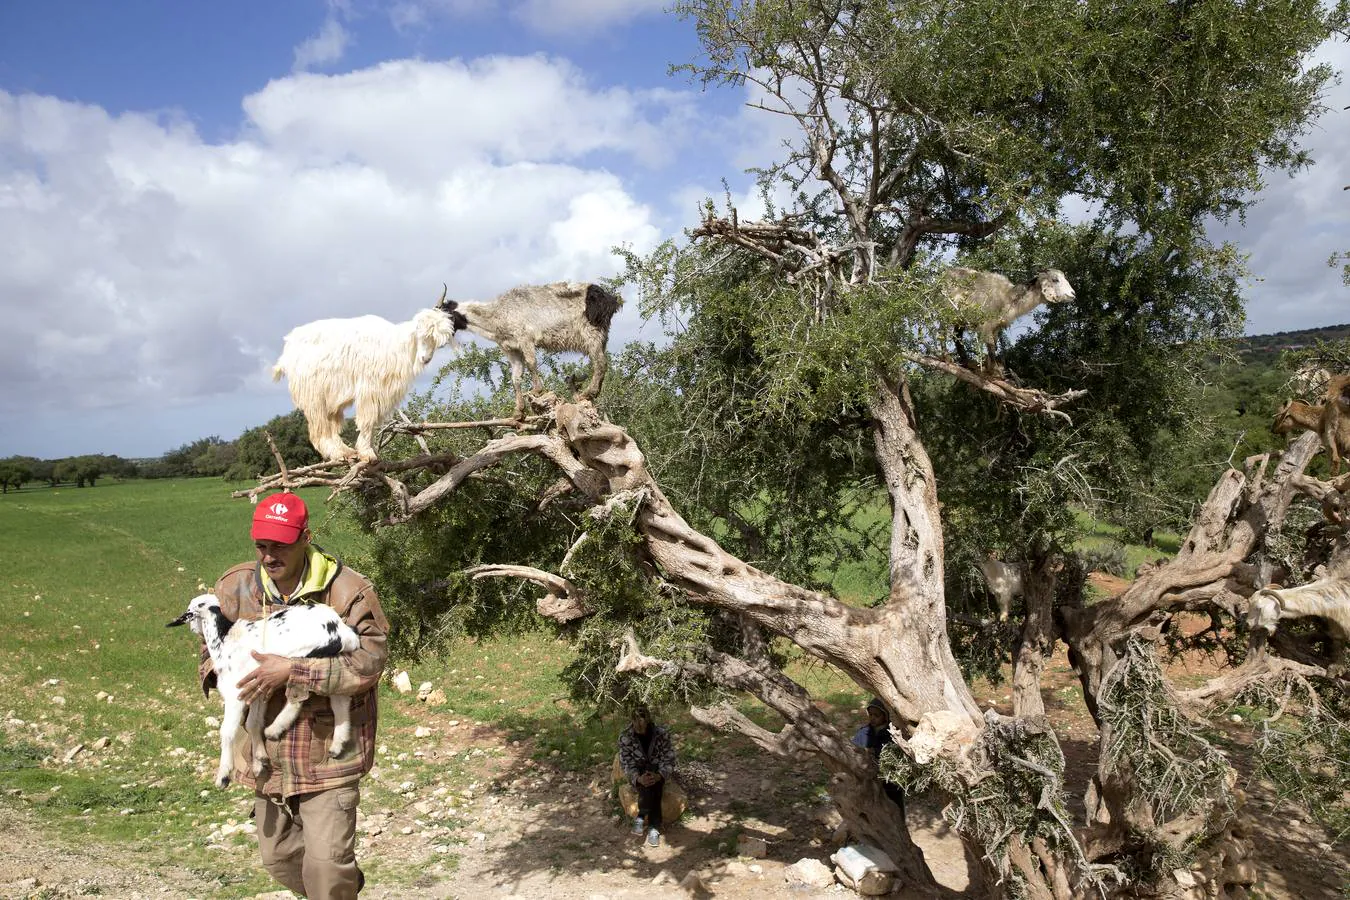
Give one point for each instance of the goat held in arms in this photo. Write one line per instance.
(297, 631)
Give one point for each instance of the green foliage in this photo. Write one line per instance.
(1160, 113)
(1307, 755)
(606, 565)
(1151, 745)
(252, 457)
(1020, 793)
(1108, 558)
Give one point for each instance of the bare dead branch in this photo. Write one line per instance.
(1026, 399)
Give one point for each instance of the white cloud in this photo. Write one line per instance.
(324, 48)
(1298, 222)
(149, 270)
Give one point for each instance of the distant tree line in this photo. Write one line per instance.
(242, 459)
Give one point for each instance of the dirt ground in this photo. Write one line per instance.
(532, 830)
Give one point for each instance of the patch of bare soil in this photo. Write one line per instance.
(32, 865)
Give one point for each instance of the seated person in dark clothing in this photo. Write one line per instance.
(875, 735)
(647, 757)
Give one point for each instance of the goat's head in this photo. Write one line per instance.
(449, 307)
(1283, 423)
(1264, 612)
(197, 611)
(1054, 286)
(432, 329)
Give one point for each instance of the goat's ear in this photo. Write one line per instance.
(181, 620)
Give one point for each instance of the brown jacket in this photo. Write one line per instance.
(300, 762)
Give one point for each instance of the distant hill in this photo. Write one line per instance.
(1265, 348)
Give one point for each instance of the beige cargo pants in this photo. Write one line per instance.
(308, 842)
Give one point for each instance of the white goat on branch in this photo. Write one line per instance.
(992, 302)
(333, 363)
(1328, 598)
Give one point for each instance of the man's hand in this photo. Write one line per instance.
(647, 779)
(273, 672)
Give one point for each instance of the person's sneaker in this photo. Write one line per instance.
(653, 838)
(638, 826)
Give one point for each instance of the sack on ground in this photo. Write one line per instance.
(674, 800)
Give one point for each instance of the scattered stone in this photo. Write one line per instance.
(663, 877)
(695, 885)
(422, 731)
(809, 872)
(1235, 718)
(756, 848)
(100, 744)
(1184, 877)
(402, 683)
(59, 700)
(755, 869)
(73, 752)
(423, 690)
(211, 722)
(436, 698)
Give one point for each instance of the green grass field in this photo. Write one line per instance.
(91, 576)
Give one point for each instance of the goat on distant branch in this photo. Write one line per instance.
(992, 302)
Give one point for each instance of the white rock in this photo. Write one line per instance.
(423, 689)
(422, 731)
(1235, 718)
(402, 683)
(59, 700)
(810, 872)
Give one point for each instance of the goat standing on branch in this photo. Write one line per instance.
(1331, 420)
(564, 315)
(992, 302)
(332, 363)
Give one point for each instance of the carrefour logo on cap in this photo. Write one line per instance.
(280, 509)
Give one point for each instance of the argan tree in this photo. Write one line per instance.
(681, 530)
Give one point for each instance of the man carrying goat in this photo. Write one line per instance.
(306, 801)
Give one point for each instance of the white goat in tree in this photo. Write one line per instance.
(1004, 581)
(297, 631)
(992, 302)
(369, 361)
(1328, 598)
(564, 315)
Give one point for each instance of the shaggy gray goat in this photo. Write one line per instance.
(992, 302)
(564, 315)
(1328, 598)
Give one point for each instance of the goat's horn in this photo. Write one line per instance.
(181, 620)
(445, 289)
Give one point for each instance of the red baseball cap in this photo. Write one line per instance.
(281, 517)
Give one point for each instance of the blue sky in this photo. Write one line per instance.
(183, 183)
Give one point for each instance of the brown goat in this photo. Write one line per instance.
(1297, 414)
(1330, 419)
(1334, 426)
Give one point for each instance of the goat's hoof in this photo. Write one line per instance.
(273, 733)
(222, 781)
(258, 766)
(335, 750)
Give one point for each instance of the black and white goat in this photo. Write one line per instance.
(564, 315)
(368, 361)
(295, 631)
